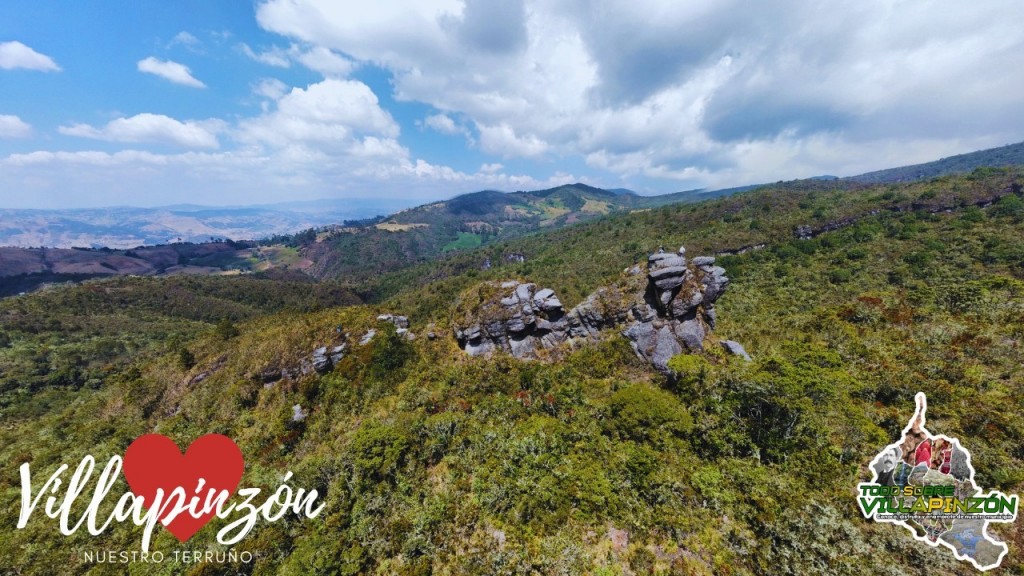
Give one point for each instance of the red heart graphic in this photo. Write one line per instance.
(153, 461)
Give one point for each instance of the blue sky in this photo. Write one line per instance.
(154, 103)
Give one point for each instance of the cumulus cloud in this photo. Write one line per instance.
(502, 139)
(331, 136)
(393, 31)
(169, 70)
(14, 54)
(496, 26)
(316, 58)
(647, 94)
(322, 60)
(13, 127)
(329, 112)
(442, 123)
(135, 177)
(153, 128)
(687, 90)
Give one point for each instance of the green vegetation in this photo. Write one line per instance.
(465, 240)
(363, 252)
(434, 462)
(1009, 155)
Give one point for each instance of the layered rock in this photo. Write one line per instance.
(515, 317)
(664, 312)
(680, 306)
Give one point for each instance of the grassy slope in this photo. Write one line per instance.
(434, 461)
(421, 234)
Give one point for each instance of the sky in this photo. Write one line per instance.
(149, 103)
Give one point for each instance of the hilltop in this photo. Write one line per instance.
(468, 221)
(1009, 155)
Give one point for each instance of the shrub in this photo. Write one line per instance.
(1008, 205)
(646, 414)
(226, 329)
(840, 276)
(377, 450)
(186, 359)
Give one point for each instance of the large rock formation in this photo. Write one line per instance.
(664, 312)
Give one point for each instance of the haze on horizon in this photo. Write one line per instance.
(152, 104)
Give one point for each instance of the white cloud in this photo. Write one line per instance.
(134, 177)
(316, 58)
(168, 70)
(646, 94)
(394, 31)
(186, 39)
(329, 112)
(502, 139)
(685, 90)
(277, 57)
(442, 123)
(322, 60)
(271, 88)
(16, 55)
(13, 127)
(152, 128)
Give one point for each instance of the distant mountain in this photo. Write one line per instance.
(198, 240)
(343, 239)
(125, 227)
(467, 221)
(1009, 155)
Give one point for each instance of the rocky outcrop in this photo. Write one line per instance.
(680, 307)
(401, 324)
(736, 349)
(663, 312)
(322, 359)
(515, 317)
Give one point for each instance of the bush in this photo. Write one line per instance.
(390, 353)
(186, 359)
(960, 298)
(1009, 205)
(840, 276)
(689, 372)
(646, 414)
(377, 450)
(226, 329)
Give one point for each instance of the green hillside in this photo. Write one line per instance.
(363, 252)
(850, 298)
(1009, 155)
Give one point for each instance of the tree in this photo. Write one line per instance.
(226, 329)
(186, 359)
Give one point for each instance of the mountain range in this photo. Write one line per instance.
(342, 239)
(128, 227)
